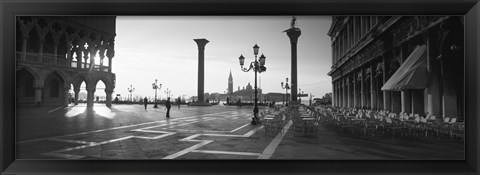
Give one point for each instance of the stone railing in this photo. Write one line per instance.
(54, 60)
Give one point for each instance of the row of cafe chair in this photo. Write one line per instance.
(391, 125)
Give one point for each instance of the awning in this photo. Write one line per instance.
(412, 74)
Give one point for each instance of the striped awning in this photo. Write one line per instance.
(412, 74)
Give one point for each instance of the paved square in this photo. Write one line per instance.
(217, 132)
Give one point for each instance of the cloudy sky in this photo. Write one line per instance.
(162, 47)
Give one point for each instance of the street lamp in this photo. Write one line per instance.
(257, 66)
(286, 87)
(131, 89)
(168, 92)
(156, 86)
(300, 95)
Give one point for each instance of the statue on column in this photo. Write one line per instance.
(292, 24)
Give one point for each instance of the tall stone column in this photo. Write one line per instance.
(293, 33)
(333, 94)
(386, 94)
(201, 72)
(108, 99)
(362, 89)
(77, 91)
(434, 97)
(345, 92)
(90, 97)
(373, 97)
(349, 93)
(354, 84)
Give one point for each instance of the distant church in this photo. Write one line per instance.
(245, 94)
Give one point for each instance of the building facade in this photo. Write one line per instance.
(410, 64)
(55, 54)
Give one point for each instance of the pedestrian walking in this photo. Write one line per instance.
(168, 106)
(145, 102)
(179, 101)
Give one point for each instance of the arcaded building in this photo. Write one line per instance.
(411, 64)
(54, 54)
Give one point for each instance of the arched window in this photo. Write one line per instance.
(54, 88)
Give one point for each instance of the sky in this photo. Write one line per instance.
(163, 48)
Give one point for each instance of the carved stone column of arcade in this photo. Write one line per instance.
(92, 51)
(101, 54)
(76, 89)
(110, 53)
(41, 33)
(67, 94)
(25, 28)
(79, 51)
(201, 73)
(108, 99)
(86, 54)
(293, 33)
(90, 96)
(38, 92)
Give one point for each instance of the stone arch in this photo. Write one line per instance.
(54, 89)
(108, 83)
(25, 87)
(35, 73)
(78, 79)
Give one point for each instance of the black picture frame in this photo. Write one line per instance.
(9, 9)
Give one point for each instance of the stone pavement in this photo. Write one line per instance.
(217, 132)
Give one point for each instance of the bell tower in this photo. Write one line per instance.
(230, 83)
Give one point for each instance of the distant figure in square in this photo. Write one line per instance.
(239, 103)
(145, 102)
(116, 100)
(168, 105)
(179, 101)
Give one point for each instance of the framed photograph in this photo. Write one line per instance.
(265, 87)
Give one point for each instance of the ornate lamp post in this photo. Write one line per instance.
(156, 86)
(300, 95)
(131, 89)
(286, 87)
(257, 66)
(311, 96)
(168, 92)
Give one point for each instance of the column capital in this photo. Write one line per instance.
(108, 91)
(201, 43)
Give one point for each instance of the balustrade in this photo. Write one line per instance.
(50, 59)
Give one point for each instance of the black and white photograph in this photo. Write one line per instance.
(279, 87)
